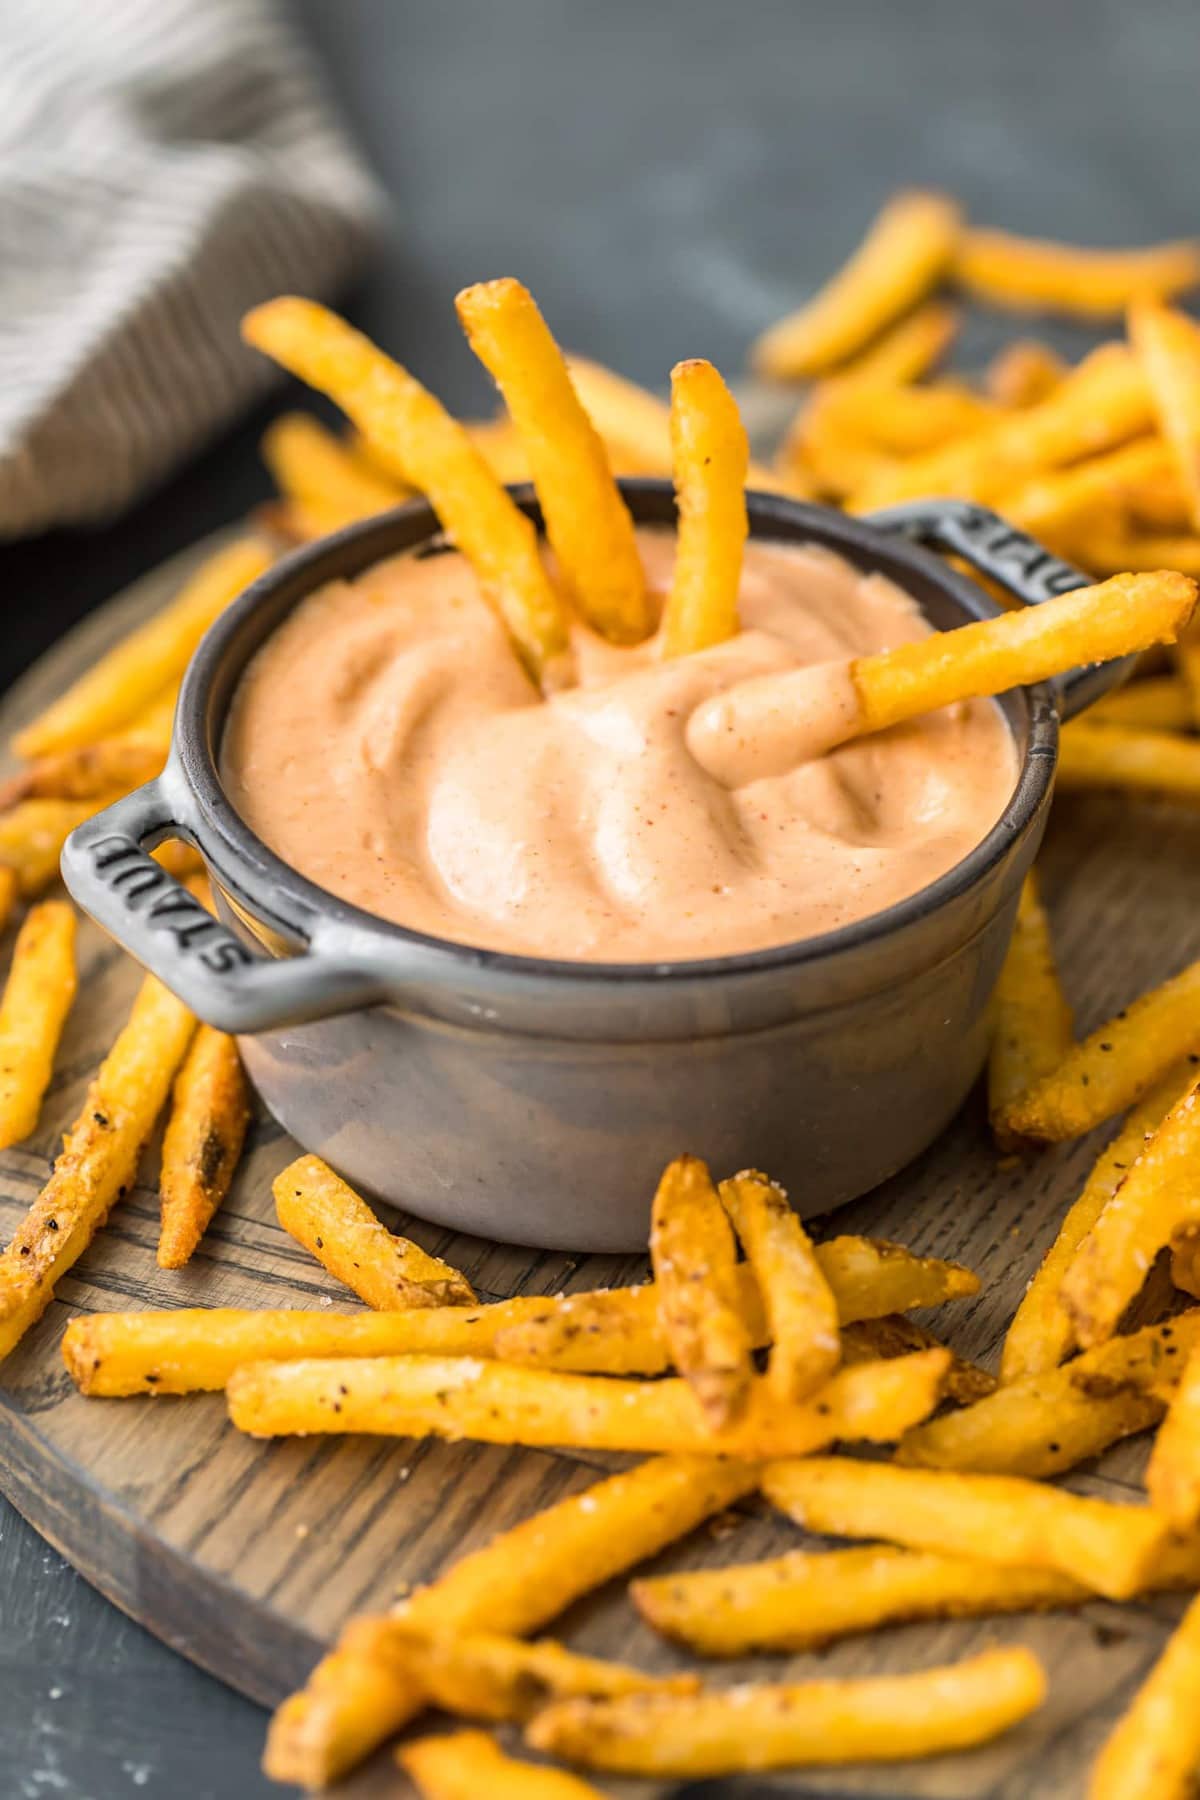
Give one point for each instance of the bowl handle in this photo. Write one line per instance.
(153, 916)
(1022, 566)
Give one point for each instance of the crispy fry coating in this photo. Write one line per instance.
(322, 1212)
(110, 765)
(897, 1335)
(587, 522)
(1032, 1026)
(907, 350)
(466, 1764)
(323, 476)
(210, 1111)
(1156, 703)
(33, 1010)
(710, 462)
(1115, 756)
(1023, 373)
(1155, 1749)
(801, 1308)
(694, 1256)
(1173, 1473)
(1031, 275)
(33, 833)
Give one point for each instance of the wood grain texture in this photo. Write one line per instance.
(247, 1556)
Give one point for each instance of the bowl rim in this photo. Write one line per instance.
(263, 879)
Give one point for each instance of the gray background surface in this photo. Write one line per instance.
(667, 177)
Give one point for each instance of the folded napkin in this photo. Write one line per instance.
(164, 164)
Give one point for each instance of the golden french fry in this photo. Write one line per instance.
(1101, 403)
(516, 1584)
(8, 894)
(1091, 624)
(1158, 1200)
(1111, 550)
(112, 764)
(1187, 656)
(587, 522)
(893, 420)
(1157, 762)
(877, 1718)
(1072, 504)
(182, 860)
(1041, 1333)
(1032, 1027)
(801, 1308)
(869, 1278)
(489, 1675)
(994, 1518)
(1046, 1422)
(33, 1010)
(1167, 344)
(323, 1213)
(134, 673)
(1173, 1472)
(1154, 1751)
(908, 349)
(421, 443)
(1023, 373)
(501, 448)
(468, 1764)
(830, 462)
(1037, 275)
(897, 1335)
(693, 1255)
(322, 476)
(210, 1112)
(492, 1402)
(807, 1599)
(710, 461)
(1114, 1066)
(906, 252)
(33, 833)
(98, 1160)
(1156, 703)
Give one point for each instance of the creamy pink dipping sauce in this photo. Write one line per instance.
(386, 743)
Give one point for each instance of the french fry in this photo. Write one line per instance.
(1167, 344)
(33, 1010)
(1032, 1027)
(1103, 402)
(587, 521)
(710, 462)
(807, 1599)
(1046, 1422)
(1156, 703)
(908, 349)
(868, 1276)
(904, 255)
(133, 674)
(1031, 274)
(1041, 1333)
(1158, 1200)
(8, 894)
(896, 1335)
(993, 1518)
(322, 476)
(418, 440)
(33, 833)
(515, 1584)
(693, 1255)
(323, 1213)
(1061, 502)
(1116, 1064)
(501, 448)
(99, 1158)
(809, 1723)
(1187, 656)
(488, 1675)
(801, 1308)
(893, 419)
(1156, 762)
(1113, 549)
(180, 859)
(112, 764)
(467, 1764)
(210, 1111)
(1173, 1472)
(457, 1397)
(1023, 373)
(1091, 624)
(1154, 1751)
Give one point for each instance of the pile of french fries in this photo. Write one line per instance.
(754, 1360)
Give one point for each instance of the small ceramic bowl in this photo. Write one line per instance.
(538, 1101)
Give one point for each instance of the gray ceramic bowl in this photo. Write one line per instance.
(538, 1101)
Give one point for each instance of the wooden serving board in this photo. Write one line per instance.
(247, 1557)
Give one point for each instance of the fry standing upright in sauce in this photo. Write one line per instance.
(387, 743)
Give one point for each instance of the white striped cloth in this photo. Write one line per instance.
(164, 164)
